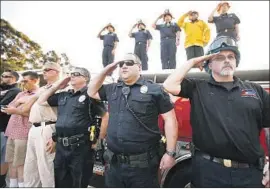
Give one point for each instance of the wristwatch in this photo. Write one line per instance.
(54, 137)
(171, 153)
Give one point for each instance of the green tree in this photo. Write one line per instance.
(17, 49)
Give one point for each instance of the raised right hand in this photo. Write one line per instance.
(64, 83)
(198, 61)
(111, 67)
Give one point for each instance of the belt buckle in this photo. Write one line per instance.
(124, 159)
(227, 163)
(65, 141)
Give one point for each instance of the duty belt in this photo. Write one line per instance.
(225, 162)
(72, 140)
(46, 123)
(140, 42)
(226, 30)
(136, 160)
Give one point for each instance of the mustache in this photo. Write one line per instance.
(227, 65)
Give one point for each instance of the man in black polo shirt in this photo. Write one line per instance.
(8, 91)
(227, 115)
(133, 154)
(76, 112)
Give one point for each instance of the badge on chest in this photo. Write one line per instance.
(143, 89)
(82, 98)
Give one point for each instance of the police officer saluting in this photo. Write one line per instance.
(76, 112)
(142, 42)
(227, 115)
(110, 41)
(133, 136)
(170, 39)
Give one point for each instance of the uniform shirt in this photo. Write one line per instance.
(42, 113)
(109, 39)
(197, 33)
(18, 125)
(142, 36)
(168, 30)
(147, 100)
(226, 21)
(76, 111)
(226, 123)
(7, 94)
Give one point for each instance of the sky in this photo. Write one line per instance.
(71, 27)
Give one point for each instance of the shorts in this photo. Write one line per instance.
(3, 147)
(16, 151)
(194, 51)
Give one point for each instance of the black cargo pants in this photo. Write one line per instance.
(123, 175)
(73, 166)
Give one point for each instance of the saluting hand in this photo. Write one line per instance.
(198, 61)
(166, 162)
(111, 67)
(64, 83)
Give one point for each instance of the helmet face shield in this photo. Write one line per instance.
(223, 42)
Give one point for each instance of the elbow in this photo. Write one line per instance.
(91, 93)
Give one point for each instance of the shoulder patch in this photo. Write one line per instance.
(150, 81)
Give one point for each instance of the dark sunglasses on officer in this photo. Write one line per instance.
(76, 74)
(127, 63)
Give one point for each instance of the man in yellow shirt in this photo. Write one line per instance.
(197, 34)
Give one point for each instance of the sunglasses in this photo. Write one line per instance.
(6, 76)
(127, 62)
(76, 74)
(223, 58)
(47, 70)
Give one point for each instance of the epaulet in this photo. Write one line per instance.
(150, 81)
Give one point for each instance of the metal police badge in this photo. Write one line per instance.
(82, 98)
(144, 89)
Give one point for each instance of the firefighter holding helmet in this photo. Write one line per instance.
(227, 116)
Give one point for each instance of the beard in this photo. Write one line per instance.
(226, 72)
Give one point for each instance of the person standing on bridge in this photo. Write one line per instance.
(76, 112)
(110, 41)
(169, 39)
(227, 24)
(197, 34)
(142, 42)
(227, 116)
(134, 153)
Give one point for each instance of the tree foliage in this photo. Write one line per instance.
(19, 52)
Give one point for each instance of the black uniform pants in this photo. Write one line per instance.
(168, 53)
(194, 51)
(140, 51)
(208, 174)
(119, 175)
(73, 167)
(107, 56)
